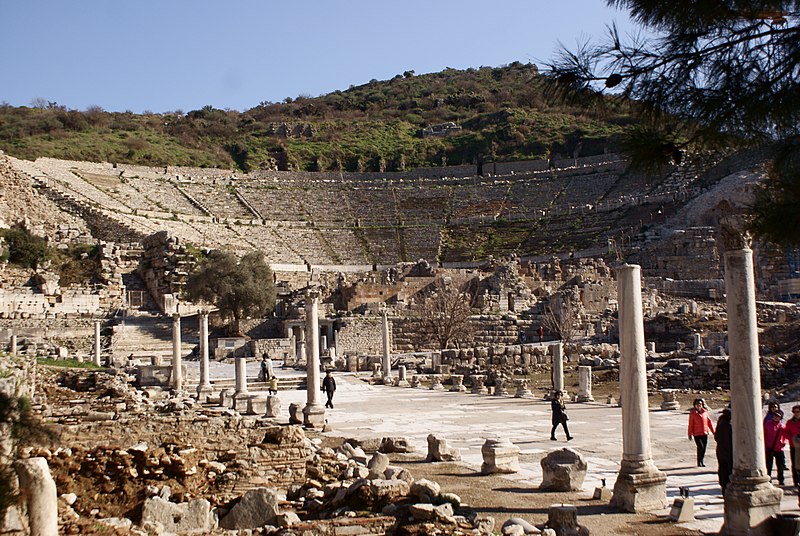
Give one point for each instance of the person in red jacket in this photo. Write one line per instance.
(793, 436)
(700, 425)
(775, 442)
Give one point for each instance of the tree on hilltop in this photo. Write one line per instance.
(238, 288)
(705, 75)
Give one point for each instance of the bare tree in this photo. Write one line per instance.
(443, 314)
(561, 317)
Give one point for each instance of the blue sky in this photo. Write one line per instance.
(165, 55)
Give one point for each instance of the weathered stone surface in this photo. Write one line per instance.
(425, 490)
(438, 451)
(195, 515)
(37, 485)
(256, 508)
(284, 435)
(563, 470)
(377, 465)
(499, 456)
(391, 445)
(526, 527)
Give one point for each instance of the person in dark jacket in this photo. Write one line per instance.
(329, 386)
(559, 415)
(723, 435)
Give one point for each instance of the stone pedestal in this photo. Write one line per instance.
(415, 381)
(458, 384)
(651, 347)
(313, 412)
(97, 350)
(376, 372)
(36, 485)
(436, 383)
(401, 376)
(439, 451)
(479, 385)
(273, 408)
(563, 519)
(563, 470)
(640, 486)
(499, 456)
(669, 399)
(558, 366)
(697, 341)
(177, 363)
(500, 386)
(750, 499)
(522, 389)
(256, 405)
(585, 384)
(295, 413)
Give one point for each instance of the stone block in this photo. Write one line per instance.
(439, 451)
(256, 508)
(194, 516)
(563, 470)
(499, 456)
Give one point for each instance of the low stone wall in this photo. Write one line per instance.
(359, 336)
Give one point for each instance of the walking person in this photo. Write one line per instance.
(559, 415)
(723, 435)
(793, 437)
(540, 333)
(699, 427)
(774, 443)
(263, 372)
(329, 386)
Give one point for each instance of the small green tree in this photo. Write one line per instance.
(238, 288)
(25, 249)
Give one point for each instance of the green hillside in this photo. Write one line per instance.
(504, 114)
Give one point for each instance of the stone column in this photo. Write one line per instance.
(331, 339)
(313, 412)
(37, 486)
(241, 394)
(13, 345)
(558, 366)
(301, 346)
(386, 363)
(640, 485)
(204, 388)
(401, 376)
(750, 499)
(697, 341)
(585, 384)
(97, 343)
(177, 363)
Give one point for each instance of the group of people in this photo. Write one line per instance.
(777, 434)
(267, 375)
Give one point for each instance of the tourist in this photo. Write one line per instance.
(772, 407)
(699, 427)
(723, 435)
(559, 415)
(329, 386)
(540, 332)
(263, 374)
(273, 385)
(793, 437)
(521, 336)
(774, 443)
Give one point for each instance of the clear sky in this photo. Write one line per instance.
(166, 55)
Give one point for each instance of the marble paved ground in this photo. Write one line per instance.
(466, 420)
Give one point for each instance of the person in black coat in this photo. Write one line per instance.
(559, 415)
(329, 386)
(723, 435)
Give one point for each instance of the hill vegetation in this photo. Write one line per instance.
(503, 112)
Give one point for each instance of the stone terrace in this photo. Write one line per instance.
(327, 219)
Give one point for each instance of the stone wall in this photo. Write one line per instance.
(360, 336)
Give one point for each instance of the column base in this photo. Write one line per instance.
(584, 398)
(204, 392)
(314, 416)
(240, 401)
(387, 380)
(749, 504)
(401, 383)
(640, 487)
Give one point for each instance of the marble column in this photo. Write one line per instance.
(36, 485)
(750, 499)
(558, 366)
(386, 363)
(241, 394)
(640, 485)
(97, 343)
(204, 388)
(313, 412)
(697, 341)
(177, 363)
(13, 345)
(585, 384)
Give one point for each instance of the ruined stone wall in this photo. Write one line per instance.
(359, 335)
